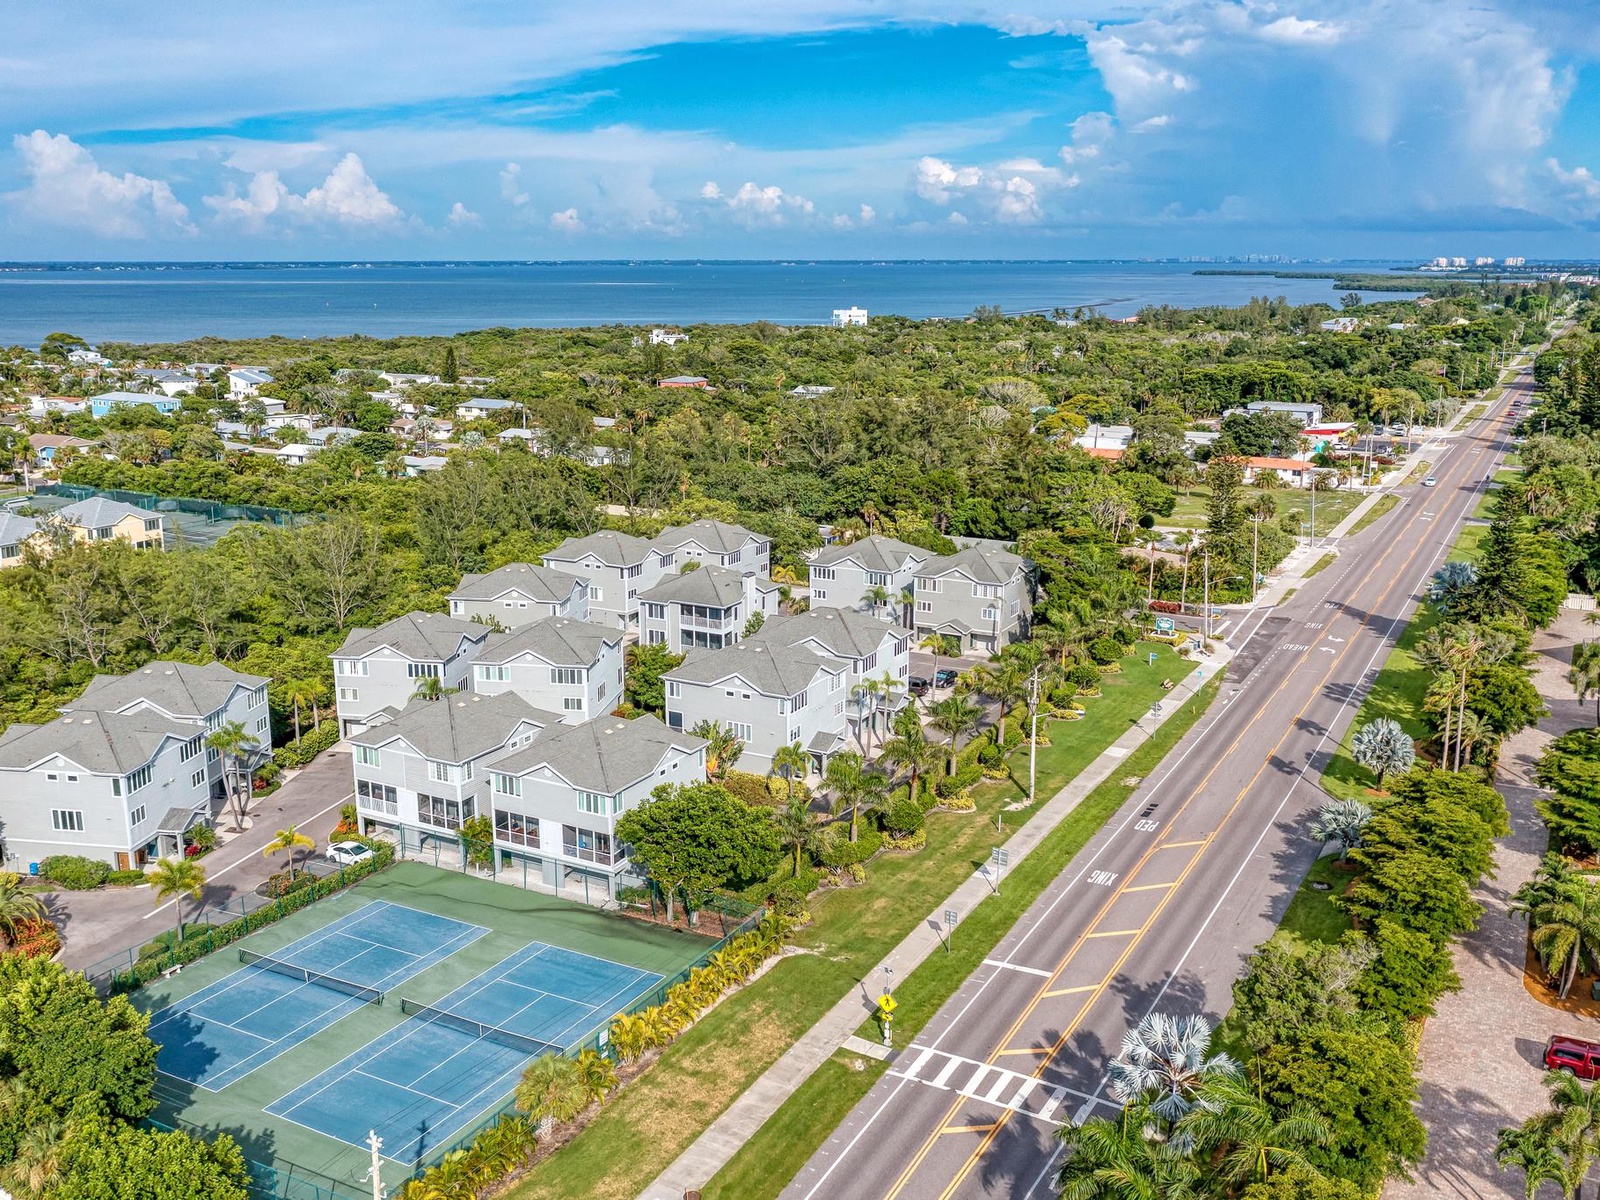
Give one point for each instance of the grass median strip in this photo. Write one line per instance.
(1381, 508)
(659, 1115)
(764, 1165)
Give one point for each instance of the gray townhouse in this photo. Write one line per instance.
(768, 694)
(706, 608)
(716, 543)
(616, 567)
(569, 667)
(208, 694)
(519, 593)
(14, 534)
(417, 773)
(873, 650)
(845, 576)
(981, 595)
(383, 668)
(123, 788)
(556, 801)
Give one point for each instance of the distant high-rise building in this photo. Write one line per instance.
(1440, 262)
(1516, 262)
(1458, 262)
(1480, 261)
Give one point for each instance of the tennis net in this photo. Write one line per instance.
(492, 1033)
(360, 991)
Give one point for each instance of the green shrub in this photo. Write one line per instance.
(752, 789)
(298, 754)
(1104, 651)
(1083, 676)
(204, 836)
(1125, 636)
(945, 786)
(990, 755)
(839, 853)
(74, 872)
(904, 816)
(967, 774)
(124, 878)
(790, 898)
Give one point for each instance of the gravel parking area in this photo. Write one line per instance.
(1482, 1053)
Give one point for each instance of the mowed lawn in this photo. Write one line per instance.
(641, 1132)
(1332, 507)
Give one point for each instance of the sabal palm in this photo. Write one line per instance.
(551, 1090)
(175, 878)
(797, 832)
(1005, 681)
(290, 840)
(954, 716)
(1246, 1137)
(855, 787)
(1164, 1060)
(792, 763)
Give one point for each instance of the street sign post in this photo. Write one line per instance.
(950, 928)
(999, 858)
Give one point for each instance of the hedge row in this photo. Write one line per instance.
(298, 754)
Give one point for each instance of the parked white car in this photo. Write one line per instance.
(349, 854)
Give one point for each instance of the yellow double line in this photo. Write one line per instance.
(1456, 475)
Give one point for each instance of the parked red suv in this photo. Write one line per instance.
(1574, 1056)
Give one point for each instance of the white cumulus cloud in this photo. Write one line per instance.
(757, 205)
(1010, 192)
(67, 187)
(566, 221)
(460, 215)
(511, 185)
(348, 197)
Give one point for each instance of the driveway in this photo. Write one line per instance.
(1481, 1056)
(100, 923)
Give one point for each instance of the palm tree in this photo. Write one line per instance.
(301, 692)
(1247, 1137)
(1585, 674)
(1531, 1148)
(792, 763)
(232, 742)
(797, 832)
(430, 687)
(35, 1169)
(598, 1075)
(175, 878)
(864, 696)
(1164, 1061)
(551, 1090)
(16, 906)
(855, 787)
(936, 644)
(723, 747)
(911, 749)
(1383, 747)
(1185, 541)
(1565, 928)
(1473, 731)
(955, 716)
(877, 595)
(1116, 1159)
(290, 839)
(1576, 1109)
(1006, 680)
(1342, 821)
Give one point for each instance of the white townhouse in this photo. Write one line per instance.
(716, 543)
(209, 694)
(769, 694)
(519, 593)
(244, 382)
(123, 788)
(383, 668)
(569, 667)
(616, 567)
(707, 608)
(484, 407)
(848, 576)
(982, 596)
(877, 653)
(556, 801)
(420, 769)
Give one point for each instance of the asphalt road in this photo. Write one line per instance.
(1160, 909)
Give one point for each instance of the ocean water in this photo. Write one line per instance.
(171, 302)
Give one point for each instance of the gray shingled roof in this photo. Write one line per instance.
(455, 729)
(182, 689)
(771, 668)
(980, 564)
(603, 756)
(717, 536)
(560, 641)
(610, 547)
(97, 511)
(419, 636)
(105, 743)
(535, 582)
(875, 553)
(15, 530)
(840, 631)
(716, 586)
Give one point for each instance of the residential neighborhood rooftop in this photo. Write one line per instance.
(103, 742)
(535, 582)
(456, 729)
(418, 636)
(842, 631)
(603, 756)
(770, 667)
(178, 689)
(559, 641)
(712, 585)
(875, 553)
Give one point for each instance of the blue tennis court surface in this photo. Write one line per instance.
(226, 1030)
(426, 1080)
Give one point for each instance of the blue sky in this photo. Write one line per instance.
(837, 128)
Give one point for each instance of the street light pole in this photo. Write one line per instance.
(1205, 619)
(1033, 736)
(1255, 551)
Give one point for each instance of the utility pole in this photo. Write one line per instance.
(373, 1176)
(1255, 551)
(1313, 508)
(1033, 735)
(1205, 620)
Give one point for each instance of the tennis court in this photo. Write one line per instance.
(429, 1078)
(274, 1002)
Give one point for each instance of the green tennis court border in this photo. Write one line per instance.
(514, 918)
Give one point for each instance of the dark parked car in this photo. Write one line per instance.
(1573, 1056)
(918, 686)
(944, 677)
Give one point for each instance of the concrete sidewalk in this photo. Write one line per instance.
(718, 1144)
